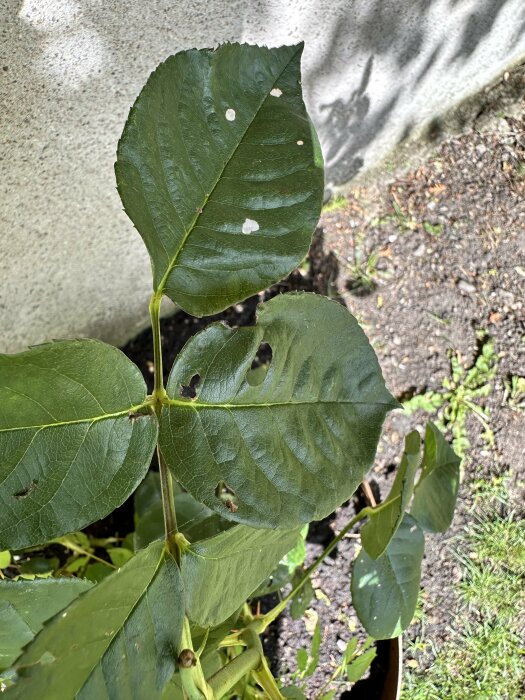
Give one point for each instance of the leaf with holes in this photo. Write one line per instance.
(437, 489)
(75, 438)
(236, 561)
(26, 605)
(385, 518)
(220, 170)
(292, 448)
(117, 641)
(385, 590)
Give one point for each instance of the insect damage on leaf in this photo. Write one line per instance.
(23, 493)
(227, 496)
(189, 391)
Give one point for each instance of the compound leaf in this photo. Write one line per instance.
(385, 590)
(220, 573)
(117, 641)
(385, 518)
(292, 448)
(75, 439)
(26, 605)
(220, 171)
(437, 489)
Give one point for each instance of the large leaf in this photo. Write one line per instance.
(118, 641)
(385, 590)
(292, 448)
(221, 572)
(385, 518)
(437, 489)
(72, 443)
(220, 171)
(26, 605)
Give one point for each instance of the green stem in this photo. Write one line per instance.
(249, 660)
(263, 622)
(159, 394)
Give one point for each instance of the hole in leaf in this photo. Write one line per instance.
(260, 365)
(250, 226)
(230, 115)
(276, 92)
(300, 143)
(189, 391)
(23, 493)
(227, 496)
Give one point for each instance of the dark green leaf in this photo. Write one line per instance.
(220, 171)
(437, 489)
(195, 520)
(385, 518)
(276, 580)
(118, 641)
(289, 450)
(147, 495)
(221, 572)
(73, 440)
(385, 590)
(302, 598)
(360, 665)
(26, 605)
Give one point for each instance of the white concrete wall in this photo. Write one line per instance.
(70, 261)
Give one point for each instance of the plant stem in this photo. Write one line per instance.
(154, 313)
(264, 621)
(247, 661)
(159, 393)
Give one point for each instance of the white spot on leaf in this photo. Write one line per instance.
(230, 115)
(276, 92)
(300, 143)
(250, 226)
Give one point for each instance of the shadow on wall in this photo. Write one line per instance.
(400, 45)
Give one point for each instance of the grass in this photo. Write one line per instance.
(335, 204)
(484, 658)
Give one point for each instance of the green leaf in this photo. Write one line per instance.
(117, 641)
(73, 440)
(26, 605)
(289, 450)
(302, 659)
(385, 518)
(296, 556)
(385, 590)
(302, 598)
(195, 520)
(220, 573)
(437, 489)
(292, 691)
(360, 665)
(5, 559)
(119, 556)
(220, 171)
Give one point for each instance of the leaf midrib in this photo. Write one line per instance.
(92, 419)
(228, 406)
(172, 264)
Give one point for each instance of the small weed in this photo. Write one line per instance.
(458, 397)
(406, 222)
(514, 395)
(335, 204)
(433, 229)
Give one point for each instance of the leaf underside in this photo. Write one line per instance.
(292, 448)
(437, 489)
(385, 590)
(386, 517)
(26, 605)
(117, 641)
(71, 452)
(220, 573)
(220, 171)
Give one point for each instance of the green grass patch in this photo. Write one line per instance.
(484, 659)
(335, 203)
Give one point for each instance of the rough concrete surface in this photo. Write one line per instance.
(375, 72)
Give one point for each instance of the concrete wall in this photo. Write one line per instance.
(70, 262)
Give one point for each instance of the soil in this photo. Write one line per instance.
(424, 261)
